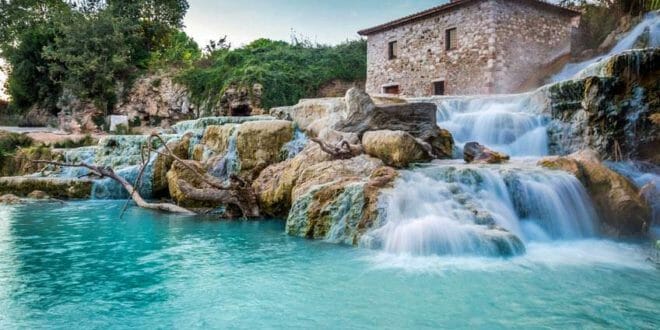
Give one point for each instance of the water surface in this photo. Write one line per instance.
(78, 265)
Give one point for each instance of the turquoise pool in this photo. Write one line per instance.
(78, 265)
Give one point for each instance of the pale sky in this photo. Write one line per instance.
(323, 21)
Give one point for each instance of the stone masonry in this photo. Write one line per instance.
(499, 43)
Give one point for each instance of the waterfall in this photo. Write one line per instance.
(295, 146)
(493, 210)
(229, 163)
(650, 25)
(514, 124)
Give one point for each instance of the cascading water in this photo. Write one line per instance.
(229, 163)
(514, 124)
(650, 26)
(295, 146)
(454, 209)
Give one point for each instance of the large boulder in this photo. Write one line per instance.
(10, 199)
(395, 148)
(341, 210)
(474, 152)
(260, 143)
(182, 174)
(619, 203)
(275, 183)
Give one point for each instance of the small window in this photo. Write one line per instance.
(450, 39)
(392, 50)
(438, 88)
(391, 89)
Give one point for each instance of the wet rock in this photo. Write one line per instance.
(394, 148)
(180, 172)
(339, 211)
(38, 194)
(216, 137)
(260, 143)
(163, 163)
(610, 110)
(55, 187)
(275, 183)
(329, 171)
(619, 203)
(10, 199)
(474, 152)
(357, 113)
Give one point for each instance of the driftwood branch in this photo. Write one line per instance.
(135, 195)
(236, 191)
(343, 151)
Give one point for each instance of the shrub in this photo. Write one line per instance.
(287, 71)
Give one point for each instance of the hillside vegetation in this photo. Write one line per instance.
(287, 71)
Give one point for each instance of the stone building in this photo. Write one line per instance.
(467, 47)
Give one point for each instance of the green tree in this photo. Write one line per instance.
(29, 82)
(91, 54)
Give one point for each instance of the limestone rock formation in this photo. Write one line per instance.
(179, 173)
(9, 199)
(38, 194)
(357, 113)
(395, 148)
(275, 183)
(156, 100)
(619, 203)
(474, 152)
(339, 210)
(163, 163)
(54, 187)
(611, 110)
(241, 101)
(259, 144)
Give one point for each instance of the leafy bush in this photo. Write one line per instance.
(287, 71)
(86, 141)
(9, 143)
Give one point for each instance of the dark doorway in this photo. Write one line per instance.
(391, 89)
(438, 88)
(241, 110)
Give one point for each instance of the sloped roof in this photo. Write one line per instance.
(455, 5)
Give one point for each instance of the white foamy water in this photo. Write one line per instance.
(513, 124)
(550, 255)
(650, 24)
(481, 210)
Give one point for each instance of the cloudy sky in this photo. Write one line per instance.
(323, 21)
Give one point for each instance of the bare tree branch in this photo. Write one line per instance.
(137, 198)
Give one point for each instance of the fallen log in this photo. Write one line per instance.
(104, 172)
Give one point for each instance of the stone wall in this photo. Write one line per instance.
(527, 39)
(499, 43)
